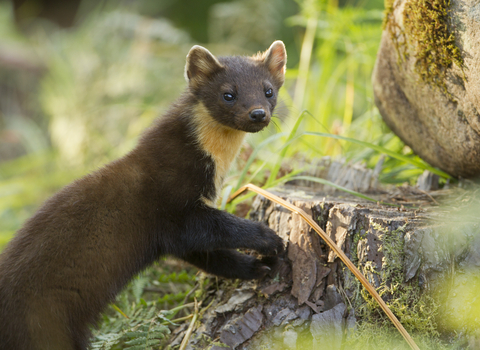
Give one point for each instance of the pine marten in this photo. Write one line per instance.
(90, 239)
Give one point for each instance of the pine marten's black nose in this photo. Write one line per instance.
(257, 115)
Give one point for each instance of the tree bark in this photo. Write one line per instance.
(311, 298)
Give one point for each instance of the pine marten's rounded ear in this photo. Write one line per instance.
(201, 65)
(275, 58)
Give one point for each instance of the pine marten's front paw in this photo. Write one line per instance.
(264, 266)
(247, 267)
(271, 244)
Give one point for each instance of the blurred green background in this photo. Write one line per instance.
(80, 80)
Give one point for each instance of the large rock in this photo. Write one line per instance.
(439, 118)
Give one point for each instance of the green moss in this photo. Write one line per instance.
(392, 248)
(358, 235)
(415, 310)
(372, 336)
(397, 34)
(388, 12)
(426, 31)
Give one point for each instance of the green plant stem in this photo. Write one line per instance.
(305, 56)
(184, 343)
(180, 307)
(180, 319)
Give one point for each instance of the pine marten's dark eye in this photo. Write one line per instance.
(228, 97)
(269, 93)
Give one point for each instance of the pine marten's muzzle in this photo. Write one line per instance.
(258, 119)
(258, 116)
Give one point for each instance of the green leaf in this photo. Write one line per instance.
(158, 335)
(137, 347)
(134, 334)
(140, 340)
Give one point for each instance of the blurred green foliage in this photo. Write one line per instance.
(90, 90)
(105, 79)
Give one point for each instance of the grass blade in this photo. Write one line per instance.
(338, 187)
(254, 154)
(231, 204)
(119, 311)
(292, 134)
(386, 151)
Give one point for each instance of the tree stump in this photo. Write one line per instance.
(426, 80)
(312, 300)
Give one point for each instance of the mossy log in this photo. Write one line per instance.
(426, 80)
(311, 299)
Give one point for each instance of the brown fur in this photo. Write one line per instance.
(86, 242)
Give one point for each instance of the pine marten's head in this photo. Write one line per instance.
(238, 92)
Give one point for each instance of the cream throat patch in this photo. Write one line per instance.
(220, 142)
